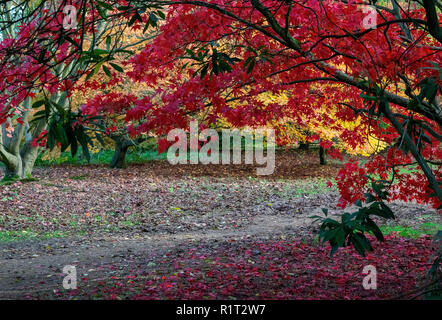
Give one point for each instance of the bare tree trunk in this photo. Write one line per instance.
(304, 146)
(18, 157)
(13, 169)
(20, 166)
(30, 154)
(119, 159)
(322, 156)
(122, 144)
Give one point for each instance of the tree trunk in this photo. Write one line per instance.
(29, 155)
(304, 146)
(16, 151)
(18, 157)
(21, 167)
(121, 145)
(119, 158)
(14, 169)
(322, 156)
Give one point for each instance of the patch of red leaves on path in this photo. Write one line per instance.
(270, 270)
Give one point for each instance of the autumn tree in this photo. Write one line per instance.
(110, 95)
(387, 77)
(44, 51)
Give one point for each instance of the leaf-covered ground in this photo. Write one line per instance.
(270, 269)
(156, 231)
(158, 197)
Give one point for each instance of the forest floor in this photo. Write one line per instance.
(155, 231)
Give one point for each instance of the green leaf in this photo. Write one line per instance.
(146, 26)
(383, 125)
(74, 147)
(225, 66)
(161, 14)
(116, 67)
(191, 54)
(41, 113)
(251, 66)
(134, 18)
(387, 210)
(378, 189)
(38, 104)
(70, 40)
(104, 5)
(97, 67)
(247, 61)
(369, 98)
(361, 243)
(330, 234)
(101, 12)
(215, 68)
(204, 71)
(100, 139)
(99, 52)
(153, 19)
(375, 229)
(108, 42)
(429, 89)
(82, 138)
(107, 71)
(369, 197)
(90, 74)
(340, 237)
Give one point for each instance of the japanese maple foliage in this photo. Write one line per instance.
(232, 51)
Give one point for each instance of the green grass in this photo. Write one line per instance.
(427, 228)
(6, 181)
(9, 236)
(140, 154)
(305, 187)
(82, 177)
(102, 157)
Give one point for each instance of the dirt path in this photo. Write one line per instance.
(25, 266)
(32, 267)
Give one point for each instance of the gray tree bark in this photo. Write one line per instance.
(322, 156)
(17, 152)
(304, 146)
(122, 144)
